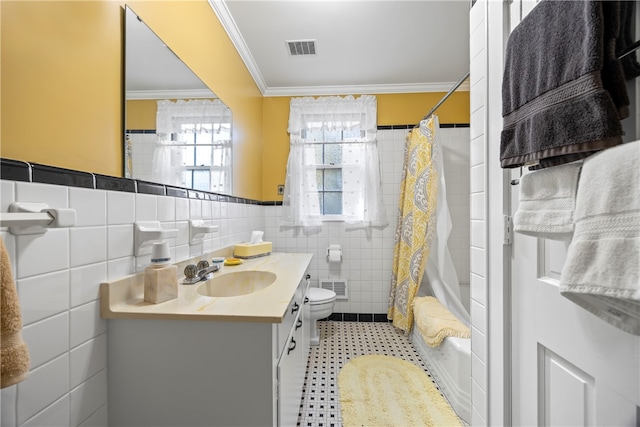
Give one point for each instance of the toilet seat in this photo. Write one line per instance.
(320, 296)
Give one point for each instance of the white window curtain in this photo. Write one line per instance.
(192, 116)
(362, 195)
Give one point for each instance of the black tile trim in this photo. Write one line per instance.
(104, 182)
(177, 192)
(53, 175)
(380, 318)
(408, 127)
(365, 317)
(359, 317)
(138, 131)
(392, 127)
(349, 317)
(15, 170)
(455, 125)
(145, 187)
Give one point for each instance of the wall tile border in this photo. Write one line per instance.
(52, 175)
(408, 127)
(17, 170)
(359, 317)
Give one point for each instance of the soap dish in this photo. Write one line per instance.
(232, 261)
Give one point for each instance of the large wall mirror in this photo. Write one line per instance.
(177, 131)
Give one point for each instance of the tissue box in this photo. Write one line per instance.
(251, 250)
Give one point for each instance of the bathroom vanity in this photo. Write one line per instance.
(210, 360)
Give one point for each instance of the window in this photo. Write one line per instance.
(333, 167)
(328, 146)
(206, 156)
(194, 144)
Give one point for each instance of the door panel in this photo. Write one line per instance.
(561, 351)
(566, 392)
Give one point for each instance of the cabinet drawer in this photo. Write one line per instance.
(294, 308)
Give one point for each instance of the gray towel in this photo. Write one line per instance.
(563, 89)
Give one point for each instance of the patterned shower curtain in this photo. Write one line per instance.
(416, 221)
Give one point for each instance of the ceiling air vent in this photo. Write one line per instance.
(301, 47)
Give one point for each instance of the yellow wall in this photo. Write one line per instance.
(141, 114)
(61, 79)
(393, 109)
(61, 84)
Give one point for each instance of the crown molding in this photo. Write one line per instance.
(170, 94)
(364, 89)
(222, 12)
(229, 25)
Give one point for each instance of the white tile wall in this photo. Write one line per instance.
(58, 276)
(478, 67)
(58, 273)
(142, 153)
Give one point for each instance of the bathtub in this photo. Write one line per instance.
(450, 366)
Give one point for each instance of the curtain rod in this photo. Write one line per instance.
(444, 98)
(630, 49)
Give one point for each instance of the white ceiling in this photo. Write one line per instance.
(363, 46)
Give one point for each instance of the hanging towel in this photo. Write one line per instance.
(14, 354)
(602, 270)
(563, 88)
(547, 202)
(436, 323)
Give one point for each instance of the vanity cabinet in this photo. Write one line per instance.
(209, 373)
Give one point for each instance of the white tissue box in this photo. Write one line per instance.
(252, 250)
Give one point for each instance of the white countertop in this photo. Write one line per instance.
(124, 298)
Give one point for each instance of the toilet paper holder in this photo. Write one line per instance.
(334, 249)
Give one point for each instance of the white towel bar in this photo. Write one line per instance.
(35, 218)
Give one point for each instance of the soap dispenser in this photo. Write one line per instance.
(160, 277)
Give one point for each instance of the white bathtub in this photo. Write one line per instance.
(450, 365)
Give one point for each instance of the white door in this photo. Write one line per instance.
(569, 368)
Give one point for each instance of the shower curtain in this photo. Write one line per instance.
(416, 223)
(422, 230)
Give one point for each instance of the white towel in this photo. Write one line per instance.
(602, 270)
(547, 202)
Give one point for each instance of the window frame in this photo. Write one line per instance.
(325, 166)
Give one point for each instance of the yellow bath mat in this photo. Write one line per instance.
(436, 323)
(378, 390)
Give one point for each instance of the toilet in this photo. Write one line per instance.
(321, 302)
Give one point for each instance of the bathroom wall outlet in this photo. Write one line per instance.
(280, 189)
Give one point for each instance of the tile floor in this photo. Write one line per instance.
(339, 342)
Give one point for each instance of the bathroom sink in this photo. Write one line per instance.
(237, 283)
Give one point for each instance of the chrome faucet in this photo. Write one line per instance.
(196, 273)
